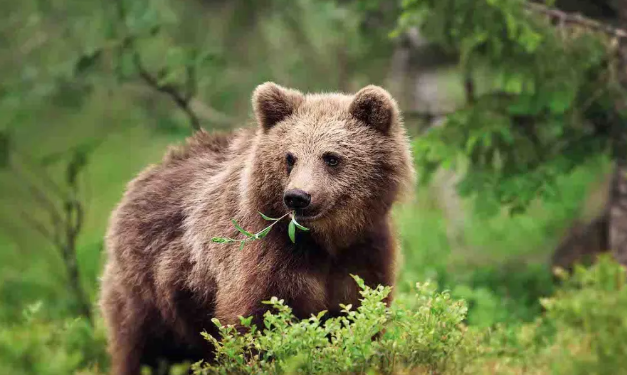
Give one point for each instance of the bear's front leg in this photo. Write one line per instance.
(127, 339)
(126, 349)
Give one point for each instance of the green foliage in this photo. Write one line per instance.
(418, 331)
(547, 111)
(588, 312)
(291, 230)
(498, 264)
(508, 294)
(582, 331)
(36, 345)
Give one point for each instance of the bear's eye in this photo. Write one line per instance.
(290, 160)
(331, 160)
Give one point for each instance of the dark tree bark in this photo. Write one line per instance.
(618, 189)
(618, 212)
(583, 243)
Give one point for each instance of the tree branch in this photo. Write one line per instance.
(183, 101)
(565, 18)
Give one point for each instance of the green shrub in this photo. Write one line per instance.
(590, 317)
(582, 331)
(36, 345)
(419, 330)
(509, 293)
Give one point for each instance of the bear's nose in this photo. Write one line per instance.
(296, 198)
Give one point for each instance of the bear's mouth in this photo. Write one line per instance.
(307, 216)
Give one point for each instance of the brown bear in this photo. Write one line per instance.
(337, 162)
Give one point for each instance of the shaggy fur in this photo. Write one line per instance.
(165, 280)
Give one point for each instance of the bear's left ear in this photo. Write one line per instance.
(273, 103)
(375, 107)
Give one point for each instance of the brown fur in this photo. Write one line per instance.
(165, 280)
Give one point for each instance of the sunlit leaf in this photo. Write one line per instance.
(291, 231)
(242, 230)
(267, 217)
(299, 226)
(264, 232)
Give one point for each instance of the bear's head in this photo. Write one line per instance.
(337, 161)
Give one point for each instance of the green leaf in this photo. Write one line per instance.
(267, 217)
(299, 226)
(264, 232)
(241, 245)
(222, 240)
(291, 231)
(246, 322)
(560, 101)
(359, 281)
(242, 230)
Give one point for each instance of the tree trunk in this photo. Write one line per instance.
(583, 243)
(614, 220)
(618, 190)
(618, 213)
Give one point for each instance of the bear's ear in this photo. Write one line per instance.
(375, 107)
(273, 103)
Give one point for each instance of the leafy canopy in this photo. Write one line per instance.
(547, 107)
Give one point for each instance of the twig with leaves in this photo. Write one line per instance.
(250, 237)
(181, 97)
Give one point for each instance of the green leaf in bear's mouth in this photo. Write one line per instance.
(250, 237)
(291, 230)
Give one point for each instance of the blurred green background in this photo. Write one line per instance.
(91, 92)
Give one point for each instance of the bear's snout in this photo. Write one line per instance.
(296, 199)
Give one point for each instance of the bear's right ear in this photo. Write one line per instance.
(273, 103)
(375, 107)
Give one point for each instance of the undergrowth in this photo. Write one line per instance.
(582, 330)
(418, 331)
